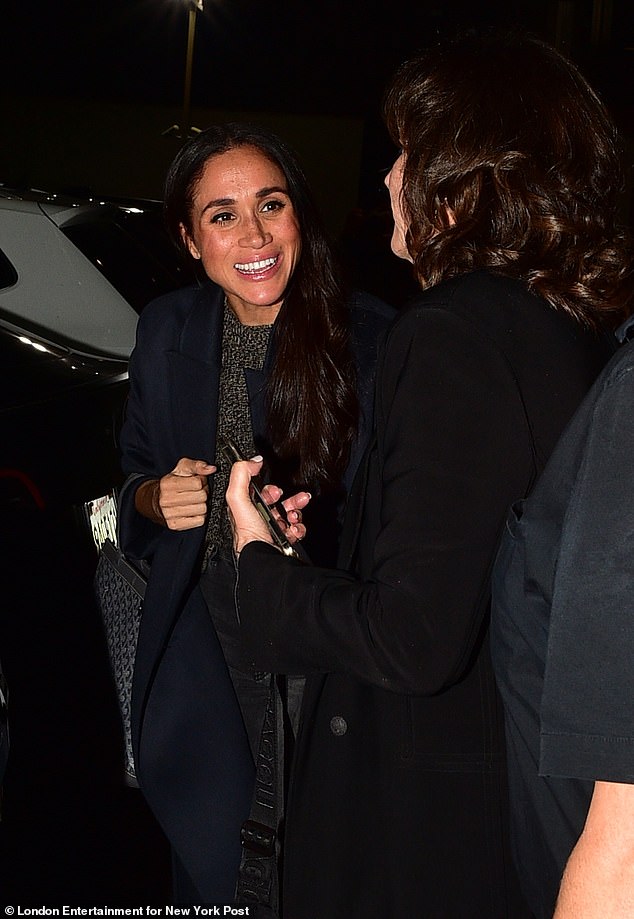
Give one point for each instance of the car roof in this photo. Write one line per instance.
(65, 199)
(51, 288)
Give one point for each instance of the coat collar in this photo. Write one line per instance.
(194, 370)
(201, 335)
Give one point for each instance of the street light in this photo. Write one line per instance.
(185, 129)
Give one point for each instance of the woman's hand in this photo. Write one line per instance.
(247, 524)
(179, 499)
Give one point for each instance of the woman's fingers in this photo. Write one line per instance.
(183, 494)
(293, 509)
(296, 502)
(291, 521)
(271, 493)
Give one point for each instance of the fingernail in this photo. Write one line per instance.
(257, 459)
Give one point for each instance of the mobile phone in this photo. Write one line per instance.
(232, 454)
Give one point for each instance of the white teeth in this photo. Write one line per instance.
(255, 266)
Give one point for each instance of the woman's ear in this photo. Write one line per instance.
(189, 242)
(444, 215)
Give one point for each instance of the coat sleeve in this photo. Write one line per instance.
(453, 451)
(138, 535)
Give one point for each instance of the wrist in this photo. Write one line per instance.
(240, 544)
(146, 501)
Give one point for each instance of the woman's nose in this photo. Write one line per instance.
(255, 234)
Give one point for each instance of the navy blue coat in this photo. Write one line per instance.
(191, 751)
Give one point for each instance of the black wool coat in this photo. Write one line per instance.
(192, 756)
(398, 803)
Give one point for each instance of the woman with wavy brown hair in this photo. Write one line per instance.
(511, 165)
(504, 197)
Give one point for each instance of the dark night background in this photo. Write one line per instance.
(86, 92)
(83, 83)
(327, 57)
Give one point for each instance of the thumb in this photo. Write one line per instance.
(241, 474)
(186, 466)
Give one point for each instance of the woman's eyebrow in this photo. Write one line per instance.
(218, 202)
(272, 190)
(262, 193)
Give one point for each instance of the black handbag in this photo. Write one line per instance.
(120, 588)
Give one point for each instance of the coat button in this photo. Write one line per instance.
(338, 725)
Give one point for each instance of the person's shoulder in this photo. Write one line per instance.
(443, 303)
(602, 416)
(503, 310)
(475, 293)
(176, 304)
(619, 370)
(456, 296)
(167, 315)
(496, 312)
(165, 320)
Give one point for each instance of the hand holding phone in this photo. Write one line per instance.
(280, 539)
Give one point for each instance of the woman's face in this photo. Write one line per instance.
(394, 182)
(245, 231)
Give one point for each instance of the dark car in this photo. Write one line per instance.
(73, 278)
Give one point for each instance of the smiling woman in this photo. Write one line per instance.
(268, 351)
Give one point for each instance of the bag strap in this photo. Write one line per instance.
(258, 879)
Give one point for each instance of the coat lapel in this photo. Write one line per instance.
(194, 371)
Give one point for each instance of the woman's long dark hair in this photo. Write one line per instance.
(311, 392)
(512, 164)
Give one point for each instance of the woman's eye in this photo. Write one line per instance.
(274, 204)
(223, 217)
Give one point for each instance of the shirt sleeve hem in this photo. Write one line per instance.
(587, 756)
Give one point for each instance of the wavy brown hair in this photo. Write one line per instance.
(512, 164)
(311, 391)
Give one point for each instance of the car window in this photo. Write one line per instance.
(132, 251)
(8, 274)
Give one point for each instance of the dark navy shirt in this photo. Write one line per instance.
(563, 632)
